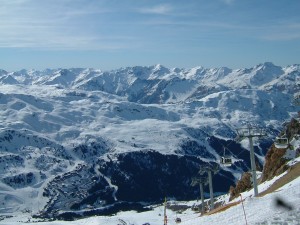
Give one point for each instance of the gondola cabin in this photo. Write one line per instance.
(226, 161)
(178, 220)
(281, 142)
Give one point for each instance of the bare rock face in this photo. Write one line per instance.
(275, 164)
(275, 161)
(242, 185)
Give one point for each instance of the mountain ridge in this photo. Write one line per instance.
(92, 125)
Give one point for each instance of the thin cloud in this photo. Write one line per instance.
(59, 25)
(285, 31)
(158, 9)
(228, 2)
(281, 37)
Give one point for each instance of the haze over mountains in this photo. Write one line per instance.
(110, 134)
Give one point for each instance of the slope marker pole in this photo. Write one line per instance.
(165, 212)
(244, 209)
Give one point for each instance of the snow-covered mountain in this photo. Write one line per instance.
(93, 142)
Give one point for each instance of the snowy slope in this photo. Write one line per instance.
(60, 125)
(259, 210)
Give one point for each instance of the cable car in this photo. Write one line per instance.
(226, 160)
(178, 220)
(281, 142)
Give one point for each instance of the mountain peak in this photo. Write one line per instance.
(161, 68)
(3, 72)
(97, 132)
(268, 64)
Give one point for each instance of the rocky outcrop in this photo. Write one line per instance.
(293, 128)
(275, 164)
(275, 161)
(242, 185)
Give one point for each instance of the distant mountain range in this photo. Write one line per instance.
(83, 141)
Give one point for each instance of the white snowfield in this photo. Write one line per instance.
(132, 109)
(257, 210)
(126, 106)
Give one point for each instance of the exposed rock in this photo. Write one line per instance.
(293, 128)
(242, 185)
(274, 163)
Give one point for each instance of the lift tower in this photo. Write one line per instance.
(250, 133)
(210, 169)
(202, 181)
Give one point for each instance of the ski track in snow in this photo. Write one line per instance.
(108, 181)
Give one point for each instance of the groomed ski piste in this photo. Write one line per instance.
(265, 209)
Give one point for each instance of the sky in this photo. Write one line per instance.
(109, 34)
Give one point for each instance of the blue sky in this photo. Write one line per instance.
(109, 34)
